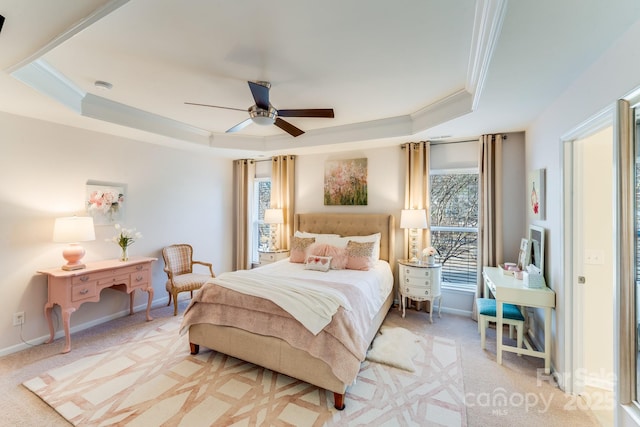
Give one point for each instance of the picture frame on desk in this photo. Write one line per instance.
(523, 254)
(535, 253)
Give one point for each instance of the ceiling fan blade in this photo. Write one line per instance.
(260, 94)
(216, 106)
(288, 127)
(240, 126)
(308, 112)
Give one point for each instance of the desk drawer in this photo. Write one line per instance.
(140, 278)
(83, 291)
(134, 268)
(114, 280)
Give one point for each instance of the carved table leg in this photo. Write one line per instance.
(66, 320)
(131, 295)
(150, 292)
(47, 314)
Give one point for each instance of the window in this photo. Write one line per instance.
(261, 202)
(454, 225)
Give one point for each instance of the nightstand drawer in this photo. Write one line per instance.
(417, 281)
(416, 291)
(269, 257)
(418, 272)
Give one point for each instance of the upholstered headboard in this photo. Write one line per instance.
(352, 225)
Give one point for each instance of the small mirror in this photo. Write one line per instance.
(536, 247)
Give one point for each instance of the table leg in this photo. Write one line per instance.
(439, 306)
(131, 295)
(431, 311)
(150, 292)
(499, 331)
(547, 340)
(402, 299)
(47, 314)
(66, 321)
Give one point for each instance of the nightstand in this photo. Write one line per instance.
(267, 257)
(420, 282)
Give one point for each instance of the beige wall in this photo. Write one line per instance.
(172, 196)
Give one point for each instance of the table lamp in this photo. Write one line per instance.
(413, 219)
(273, 217)
(73, 230)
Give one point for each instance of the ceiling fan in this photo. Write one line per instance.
(264, 114)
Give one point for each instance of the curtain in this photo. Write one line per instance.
(283, 195)
(243, 176)
(416, 188)
(490, 209)
(625, 292)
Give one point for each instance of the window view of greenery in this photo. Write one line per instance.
(454, 226)
(263, 200)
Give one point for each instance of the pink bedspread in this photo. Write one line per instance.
(341, 344)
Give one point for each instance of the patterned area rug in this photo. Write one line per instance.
(152, 380)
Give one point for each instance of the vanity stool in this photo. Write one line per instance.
(511, 316)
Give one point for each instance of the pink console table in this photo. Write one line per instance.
(69, 289)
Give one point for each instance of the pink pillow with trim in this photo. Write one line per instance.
(298, 250)
(360, 255)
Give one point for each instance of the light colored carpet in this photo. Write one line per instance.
(153, 380)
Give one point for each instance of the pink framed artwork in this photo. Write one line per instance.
(535, 194)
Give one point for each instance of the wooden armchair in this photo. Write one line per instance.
(178, 264)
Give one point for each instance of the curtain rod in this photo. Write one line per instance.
(504, 136)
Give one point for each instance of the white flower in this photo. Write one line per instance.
(429, 251)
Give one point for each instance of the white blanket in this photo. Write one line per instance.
(310, 302)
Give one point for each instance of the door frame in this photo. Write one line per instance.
(573, 263)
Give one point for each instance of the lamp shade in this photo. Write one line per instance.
(74, 229)
(273, 216)
(413, 218)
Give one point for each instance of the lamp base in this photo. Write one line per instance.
(71, 267)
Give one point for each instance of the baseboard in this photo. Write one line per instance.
(81, 327)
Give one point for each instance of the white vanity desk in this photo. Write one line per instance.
(507, 289)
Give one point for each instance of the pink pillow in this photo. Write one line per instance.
(360, 255)
(338, 255)
(298, 250)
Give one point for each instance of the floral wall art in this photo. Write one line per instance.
(345, 182)
(535, 196)
(105, 202)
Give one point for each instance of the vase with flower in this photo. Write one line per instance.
(429, 255)
(124, 238)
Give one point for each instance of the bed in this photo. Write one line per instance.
(276, 353)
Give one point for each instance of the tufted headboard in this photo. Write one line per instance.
(352, 225)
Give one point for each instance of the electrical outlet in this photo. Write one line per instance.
(18, 318)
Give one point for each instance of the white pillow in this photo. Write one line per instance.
(320, 238)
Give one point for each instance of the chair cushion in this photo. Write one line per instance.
(487, 307)
(188, 282)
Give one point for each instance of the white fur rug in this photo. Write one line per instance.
(395, 347)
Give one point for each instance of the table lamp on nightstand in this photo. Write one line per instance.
(73, 230)
(413, 219)
(273, 217)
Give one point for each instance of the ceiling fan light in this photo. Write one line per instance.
(263, 117)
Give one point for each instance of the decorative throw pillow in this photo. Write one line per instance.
(360, 255)
(297, 251)
(370, 238)
(338, 255)
(318, 263)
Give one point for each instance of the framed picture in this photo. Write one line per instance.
(345, 182)
(523, 254)
(536, 247)
(105, 202)
(535, 188)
